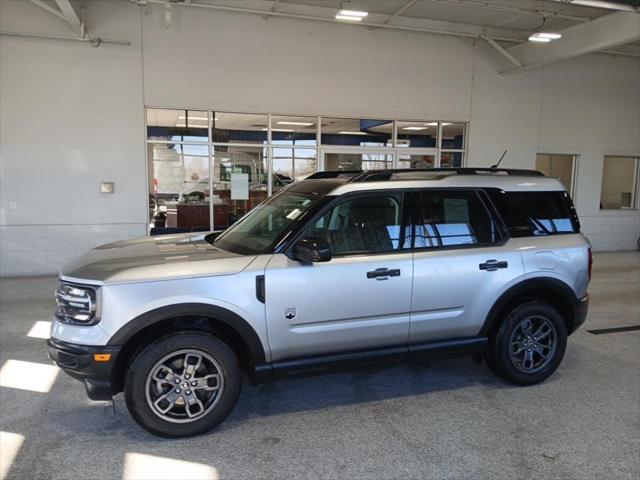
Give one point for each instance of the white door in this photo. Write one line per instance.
(360, 299)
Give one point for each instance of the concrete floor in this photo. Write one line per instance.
(448, 419)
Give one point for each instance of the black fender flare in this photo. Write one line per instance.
(554, 285)
(230, 319)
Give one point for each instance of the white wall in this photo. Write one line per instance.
(72, 115)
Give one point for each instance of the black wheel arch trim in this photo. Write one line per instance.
(213, 312)
(530, 284)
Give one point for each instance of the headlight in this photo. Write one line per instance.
(77, 305)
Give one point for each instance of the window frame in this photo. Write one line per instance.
(636, 184)
(334, 201)
(502, 233)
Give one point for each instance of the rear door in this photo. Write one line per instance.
(462, 263)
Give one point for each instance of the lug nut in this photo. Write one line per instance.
(194, 383)
(178, 390)
(177, 380)
(188, 392)
(187, 376)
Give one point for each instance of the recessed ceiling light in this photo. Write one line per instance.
(348, 18)
(301, 124)
(353, 13)
(353, 133)
(414, 128)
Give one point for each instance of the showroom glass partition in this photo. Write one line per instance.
(208, 168)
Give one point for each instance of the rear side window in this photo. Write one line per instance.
(452, 218)
(535, 213)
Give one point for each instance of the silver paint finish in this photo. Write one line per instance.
(452, 296)
(338, 307)
(439, 294)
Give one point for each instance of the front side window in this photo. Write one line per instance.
(370, 223)
(452, 218)
(535, 213)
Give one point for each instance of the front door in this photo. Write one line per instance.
(360, 299)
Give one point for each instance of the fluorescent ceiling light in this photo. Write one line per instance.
(182, 117)
(353, 13)
(353, 133)
(278, 129)
(432, 124)
(348, 18)
(301, 124)
(444, 124)
(414, 128)
(550, 35)
(542, 37)
(191, 125)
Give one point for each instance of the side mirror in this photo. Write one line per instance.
(311, 250)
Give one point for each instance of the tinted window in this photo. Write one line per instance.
(364, 224)
(449, 218)
(535, 213)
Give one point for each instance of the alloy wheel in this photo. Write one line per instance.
(532, 344)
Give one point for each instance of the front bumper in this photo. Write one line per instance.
(580, 311)
(79, 362)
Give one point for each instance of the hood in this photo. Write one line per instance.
(154, 258)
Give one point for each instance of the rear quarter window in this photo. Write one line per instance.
(529, 214)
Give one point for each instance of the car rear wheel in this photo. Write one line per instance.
(529, 344)
(182, 385)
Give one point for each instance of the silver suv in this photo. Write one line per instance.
(341, 269)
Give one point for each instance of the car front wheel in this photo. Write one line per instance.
(529, 344)
(182, 385)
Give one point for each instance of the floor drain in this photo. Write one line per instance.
(602, 331)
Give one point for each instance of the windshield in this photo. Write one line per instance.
(261, 229)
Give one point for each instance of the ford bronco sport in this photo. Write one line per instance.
(342, 268)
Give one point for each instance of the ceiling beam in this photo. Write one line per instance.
(603, 33)
(71, 16)
(49, 9)
(400, 11)
(502, 51)
(514, 9)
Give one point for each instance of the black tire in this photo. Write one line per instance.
(505, 360)
(139, 384)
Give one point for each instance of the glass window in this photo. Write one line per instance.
(356, 132)
(239, 128)
(366, 224)
(179, 187)
(291, 164)
(452, 218)
(558, 166)
(248, 167)
(452, 136)
(407, 160)
(619, 178)
(356, 161)
(294, 131)
(177, 125)
(417, 134)
(451, 159)
(535, 213)
(260, 231)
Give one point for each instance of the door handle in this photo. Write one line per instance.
(383, 273)
(493, 265)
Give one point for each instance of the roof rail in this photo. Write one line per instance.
(334, 174)
(383, 175)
